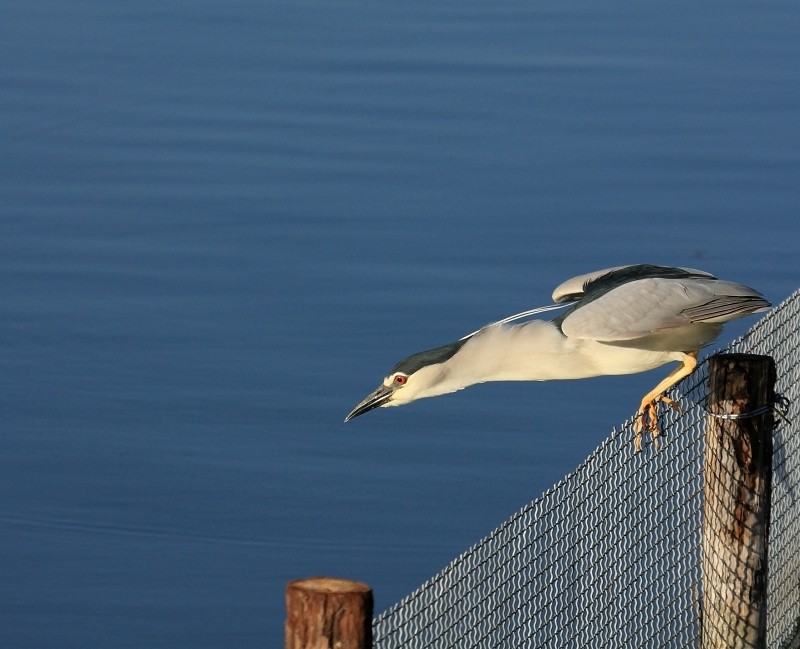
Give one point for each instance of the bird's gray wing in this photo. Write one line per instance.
(644, 307)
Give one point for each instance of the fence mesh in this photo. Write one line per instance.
(610, 556)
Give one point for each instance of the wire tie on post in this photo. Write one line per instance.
(780, 407)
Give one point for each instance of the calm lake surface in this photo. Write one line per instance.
(221, 223)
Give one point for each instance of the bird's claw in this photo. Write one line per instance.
(646, 420)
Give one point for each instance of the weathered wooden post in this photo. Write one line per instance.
(736, 511)
(326, 613)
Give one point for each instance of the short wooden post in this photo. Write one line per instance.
(327, 613)
(738, 480)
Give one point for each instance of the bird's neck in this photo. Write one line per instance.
(534, 351)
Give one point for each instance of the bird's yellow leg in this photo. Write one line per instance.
(647, 415)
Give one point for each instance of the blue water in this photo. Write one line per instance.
(221, 223)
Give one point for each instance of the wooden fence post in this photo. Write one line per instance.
(324, 613)
(736, 509)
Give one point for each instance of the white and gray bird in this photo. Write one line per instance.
(620, 320)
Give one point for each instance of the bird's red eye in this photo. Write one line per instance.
(400, 379)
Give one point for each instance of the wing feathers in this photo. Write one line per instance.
(725, 308)
(646, 307)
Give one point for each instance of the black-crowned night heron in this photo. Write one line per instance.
(619, 320)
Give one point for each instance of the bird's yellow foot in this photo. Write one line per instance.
(647, 420)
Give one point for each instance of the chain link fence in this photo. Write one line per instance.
(610, 556)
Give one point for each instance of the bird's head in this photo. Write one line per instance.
(420, 375)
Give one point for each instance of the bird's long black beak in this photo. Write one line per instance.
(373, 400)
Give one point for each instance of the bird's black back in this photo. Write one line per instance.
(603, 284)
